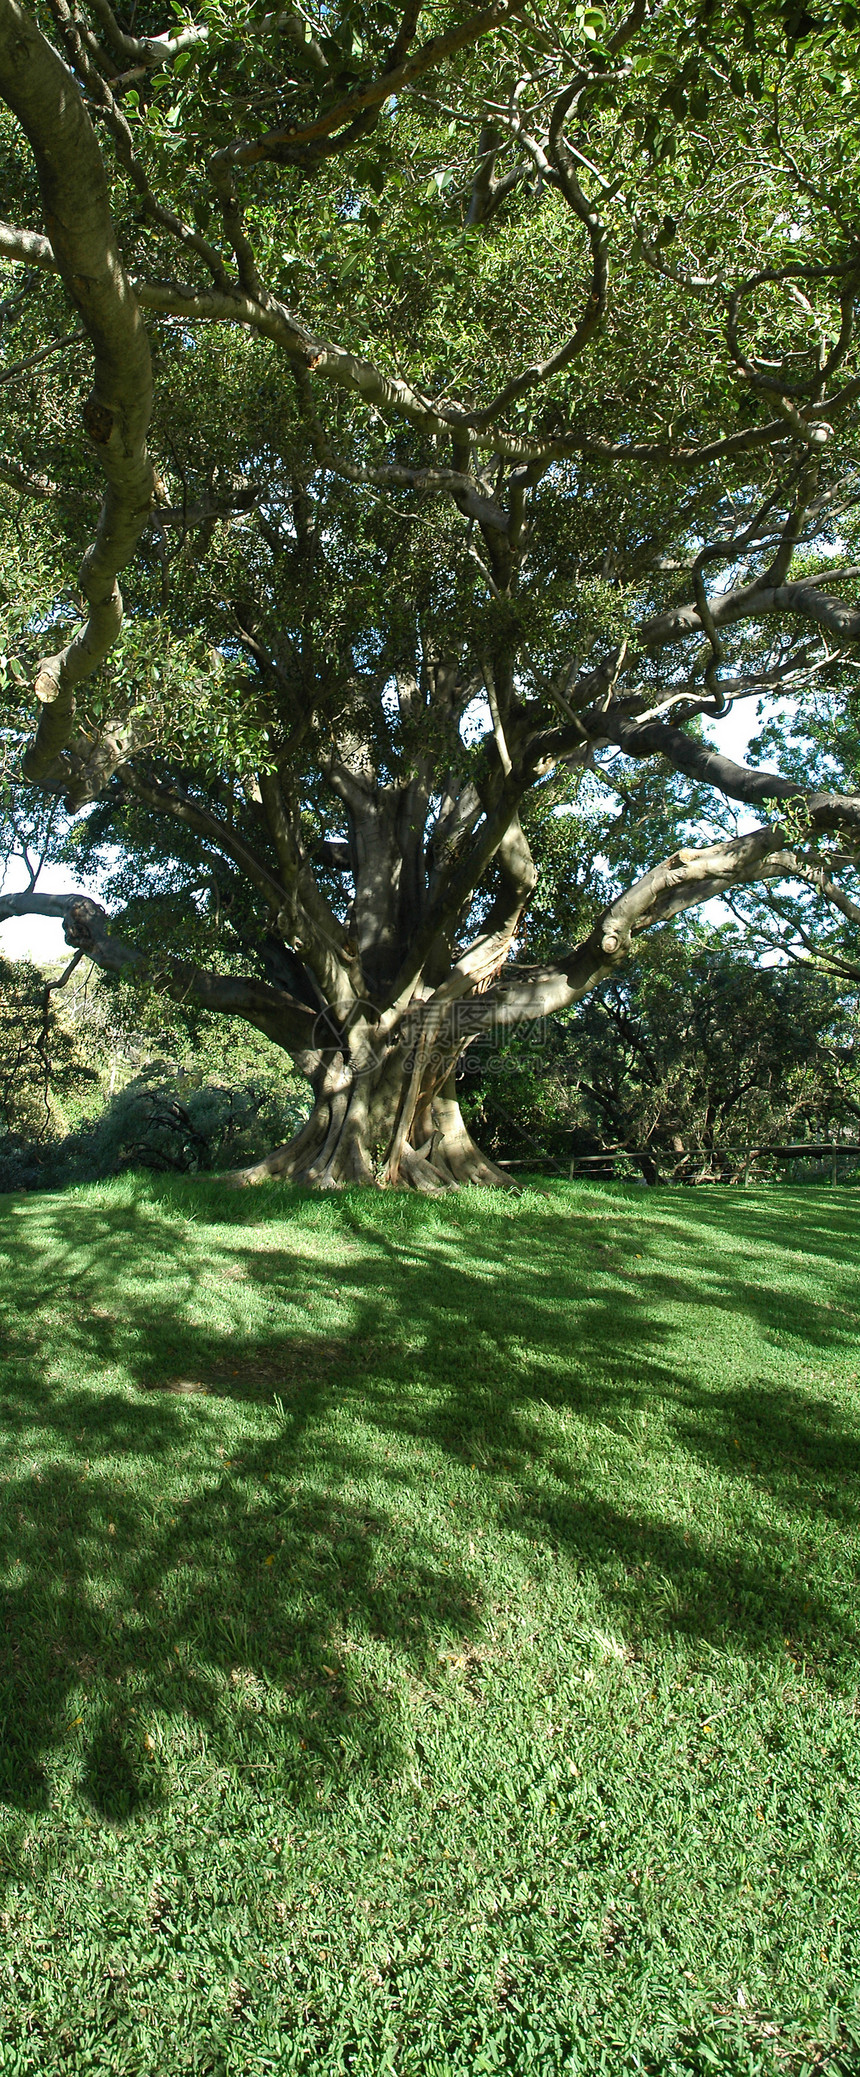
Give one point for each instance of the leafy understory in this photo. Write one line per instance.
(431, 1632)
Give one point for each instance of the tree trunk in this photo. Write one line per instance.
(382, 1128)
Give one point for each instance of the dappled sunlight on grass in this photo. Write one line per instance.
(499, 1553)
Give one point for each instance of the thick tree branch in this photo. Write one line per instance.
(824, 811)
(100, 92)
(455, 889)
(681, 882)
(146, 50)
(307, 919)
(167, 800)
(748, 601)
(392, 396)
(36, 86)
(301, 143)
(31, 248)
(333, 363)
(86, 927)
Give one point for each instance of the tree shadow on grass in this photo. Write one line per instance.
(156, 1598)
(242, 1580)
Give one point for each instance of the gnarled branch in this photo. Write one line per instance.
(40, 92)
(86, 928)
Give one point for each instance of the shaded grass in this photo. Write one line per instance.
(431, 1632)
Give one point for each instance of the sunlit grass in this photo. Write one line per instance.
(431, 1632)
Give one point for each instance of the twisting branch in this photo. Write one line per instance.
(824, 811)
(37, 87)
(751, 601)
(303, 143)
(87, 930)
(392, 396)
(146, 50)
(100, 91)
(787, 396)
(723, 551)
(684, 881)
(559, 159)
(467, 492)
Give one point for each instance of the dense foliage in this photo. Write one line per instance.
(44, 1078)
(96, 1079)
(691, 1060)
(475, 399)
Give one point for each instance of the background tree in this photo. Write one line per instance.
(499, 371)
(43, 1074)
(97, 1077)
(688, 1058)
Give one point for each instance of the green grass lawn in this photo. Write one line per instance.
(431, 1633)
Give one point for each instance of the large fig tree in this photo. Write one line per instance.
(470, 395)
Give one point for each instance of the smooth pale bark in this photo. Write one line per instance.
(87, 929)
(36, 85)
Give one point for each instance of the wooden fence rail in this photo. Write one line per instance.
(708, 1159)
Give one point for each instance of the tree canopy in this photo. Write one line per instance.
(467, 399)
